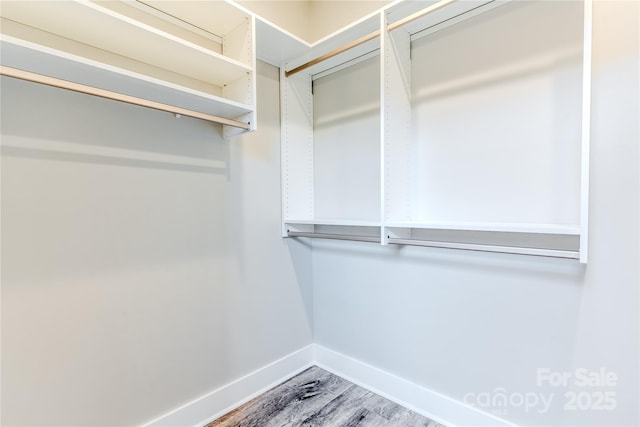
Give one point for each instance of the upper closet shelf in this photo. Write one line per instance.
(276, 45)
(356, 40)
(105, 29)
(417, 18)
(196, 54)
(410, 16)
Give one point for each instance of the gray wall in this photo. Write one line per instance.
(141, 260)
(460, 323)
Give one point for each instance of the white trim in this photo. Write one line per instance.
(586, 131)
(228, 397)
(429, 403)
(384, 59)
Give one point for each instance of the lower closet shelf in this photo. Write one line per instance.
(542, 240)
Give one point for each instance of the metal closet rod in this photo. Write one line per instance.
(419, 14)
(515, 250)
(102, 93)
(333, 236)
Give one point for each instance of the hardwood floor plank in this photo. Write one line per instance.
(341, 410)
(313, 398)
(317, 398)
(381, 406)
(408, 418)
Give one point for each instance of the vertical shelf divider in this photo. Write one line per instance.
(586, 131)
(240, 44)
(395, 118)
(296, 98)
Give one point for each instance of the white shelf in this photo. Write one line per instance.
(358, 29)
(453, 13)
(215, 17)
(275, 45)
(39, 59)
(113, 32)
(197, 56)
(573, 230)
(336, 222)
(278, 46)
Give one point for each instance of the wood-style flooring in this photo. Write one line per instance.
(316, 397)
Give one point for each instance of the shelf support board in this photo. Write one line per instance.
(586, 130)
(102, 93)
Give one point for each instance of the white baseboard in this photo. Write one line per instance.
(226, 398)
(429, 403)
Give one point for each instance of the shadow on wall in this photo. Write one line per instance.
(520, 265)
(93, 134)
(119, 186)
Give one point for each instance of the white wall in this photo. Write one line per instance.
(329, 16)
(141, 260)
(346, 109)
(312, 20)
(292, 16)
(497, 123)
(459, 322)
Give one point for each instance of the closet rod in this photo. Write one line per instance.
(102, 93)
(417, 15)
(553, 253)
(333, 236)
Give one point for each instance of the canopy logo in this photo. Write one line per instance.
(578, 390)
(499, 401)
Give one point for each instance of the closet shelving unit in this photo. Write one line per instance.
(402, 219)
(189, 58)
(298, 148)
